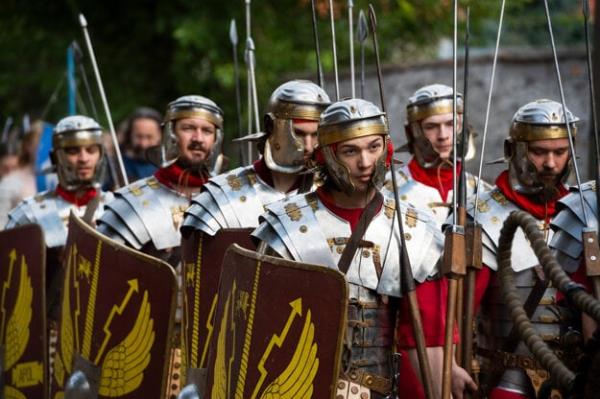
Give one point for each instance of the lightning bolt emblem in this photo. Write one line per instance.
(133, 287)
(277, 339)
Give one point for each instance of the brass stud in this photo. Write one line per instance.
(243, 198)
(303, 229)
(407, 236)
(354, 390)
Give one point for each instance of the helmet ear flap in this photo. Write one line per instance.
(390, 153)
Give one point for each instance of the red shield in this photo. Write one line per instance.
(202, 256)
(23, 312)
(278, 328)
(117, 309)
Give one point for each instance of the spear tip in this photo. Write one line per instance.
(233, 36)
(586, 9)
(362, 31)
(82, 21)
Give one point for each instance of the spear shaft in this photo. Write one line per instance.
(317, 47)
(406, 277)
(111, 127)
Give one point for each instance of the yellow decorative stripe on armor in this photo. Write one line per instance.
(286, 110)
(419, 112)
(335, 133)
(213, 118)
(527, 132)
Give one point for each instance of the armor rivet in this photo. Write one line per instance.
(339, 250)
(364, 395)
(590, 240)
(243, 198)
(303, 229)
(366, 253)
(403, 197)
(354, 390)
(339, 397)
(353, 376)
(369, 380)
(494, 219)
(407, 236)
(277, 146)
(341, 385)
(593, 257)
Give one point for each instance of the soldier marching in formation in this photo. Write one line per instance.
(322, 201)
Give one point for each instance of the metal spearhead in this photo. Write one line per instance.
(233, 36)
(362, 31)
(586, 9)
(82, 21)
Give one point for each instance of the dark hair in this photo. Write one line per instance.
(140, 113)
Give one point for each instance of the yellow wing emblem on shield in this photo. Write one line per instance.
(296, 381)
(124, 365)
(17, 328)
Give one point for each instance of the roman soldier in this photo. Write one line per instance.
(537, 152)
(348, 225)
(426, 182)
(146, 215)
(237, 198)
(78, 159)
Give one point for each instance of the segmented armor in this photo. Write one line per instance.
(51, 211)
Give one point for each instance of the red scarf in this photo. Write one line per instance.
(261, 169)
(75, 197)
(543, 211)
(174, 176)
(439, 177)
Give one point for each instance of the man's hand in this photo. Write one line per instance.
(461, 381)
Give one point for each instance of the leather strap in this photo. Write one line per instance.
(363, 223)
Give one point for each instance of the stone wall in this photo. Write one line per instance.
(521, 76)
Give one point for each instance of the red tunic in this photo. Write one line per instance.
(431, 295)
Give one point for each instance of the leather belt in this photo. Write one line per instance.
(374, 382)
(510, 360)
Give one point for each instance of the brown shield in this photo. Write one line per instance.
(116, 317)
(278, 328)
(202, 257)
(22, 312)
